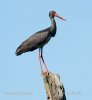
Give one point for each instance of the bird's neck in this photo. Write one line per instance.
(53, 27)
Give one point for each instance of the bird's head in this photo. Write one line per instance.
(53, 14)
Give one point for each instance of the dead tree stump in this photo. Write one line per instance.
(54, 88)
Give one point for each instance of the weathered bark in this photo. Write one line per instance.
(54, 88)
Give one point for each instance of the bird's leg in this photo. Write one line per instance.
(39, 57)
(44, 61)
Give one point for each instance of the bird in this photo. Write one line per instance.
(39, 39)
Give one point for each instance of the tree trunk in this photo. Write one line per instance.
(54, 88)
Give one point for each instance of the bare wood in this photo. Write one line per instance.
(54, 88)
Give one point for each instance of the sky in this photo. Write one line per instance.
(68, 54)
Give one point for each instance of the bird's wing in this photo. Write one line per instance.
(38, 39)
(33, 42)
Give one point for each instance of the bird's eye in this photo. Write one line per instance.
(53, 13)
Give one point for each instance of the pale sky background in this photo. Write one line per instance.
(69, 54)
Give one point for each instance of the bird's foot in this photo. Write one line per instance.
(44, 74)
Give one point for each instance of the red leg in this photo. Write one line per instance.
(45, 73)
(44, 61)
(40, 62)
(45, 66)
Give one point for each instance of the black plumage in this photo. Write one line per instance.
(39, 39)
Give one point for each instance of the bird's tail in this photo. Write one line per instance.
(18, 51)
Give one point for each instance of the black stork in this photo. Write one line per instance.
(39, 39)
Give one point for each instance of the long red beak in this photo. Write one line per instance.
(56, 15)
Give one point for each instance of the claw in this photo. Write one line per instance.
(44, 74)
